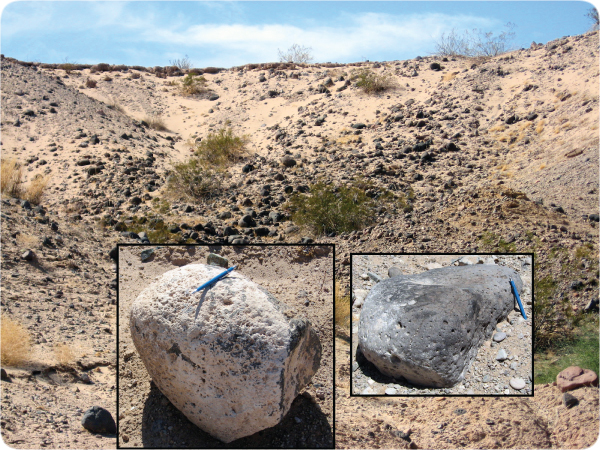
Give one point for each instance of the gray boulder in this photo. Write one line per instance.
(235, 368)
(427, 328)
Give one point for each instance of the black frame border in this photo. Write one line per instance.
(532, 255)
(212, 245)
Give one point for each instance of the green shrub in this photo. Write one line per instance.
(330, 209)
(193, 180)
(201, 176)
(221, 148)
(372, 83)
(192, 85)
(580, 350)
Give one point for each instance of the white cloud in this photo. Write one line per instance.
(362, 35)
(161, 30)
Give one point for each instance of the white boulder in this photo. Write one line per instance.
(234, 369)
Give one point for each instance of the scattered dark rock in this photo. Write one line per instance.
(99, 420)
(569, 400)
(28, 255)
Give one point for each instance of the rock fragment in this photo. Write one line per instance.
(574, 377)
(99, 420)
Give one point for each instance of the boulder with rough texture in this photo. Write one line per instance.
(427, 328)
(574, 377)
(235, 368)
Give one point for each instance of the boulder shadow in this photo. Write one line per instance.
(164, 426)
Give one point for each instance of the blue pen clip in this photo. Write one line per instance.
(208, 285)
(512, 283)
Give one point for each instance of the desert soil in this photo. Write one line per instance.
(299, 276)
(513, 167)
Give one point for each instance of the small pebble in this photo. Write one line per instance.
(500, 336)
(517, 383)
(501, 356)
(390, 391)
(487, 378)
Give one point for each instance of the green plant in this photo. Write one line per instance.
(160, 205)
(329, 209)
(492, 241)
(15, 341)
(475, 43)
(579, 350)
(192, 85)
(193, 180)
(296, 54)
(221, 148)
(373, 83)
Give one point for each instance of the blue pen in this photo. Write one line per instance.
(208, 285)
(512, 283)
(214, 280)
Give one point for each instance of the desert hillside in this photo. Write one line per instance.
(456, 155)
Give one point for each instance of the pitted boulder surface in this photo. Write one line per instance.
(427, 328)
(236, 368)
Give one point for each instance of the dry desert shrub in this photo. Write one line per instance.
(296, 54)
(156, 122)
(11, 178)
(540, 126)
(113, 104)
(89, 83)
(449, 76)
(35, 191)
(64, 354)
(342, 307)
(15, 342)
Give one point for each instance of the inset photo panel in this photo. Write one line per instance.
(225, 346)
(442, 324)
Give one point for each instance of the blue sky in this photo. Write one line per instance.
(230, 33)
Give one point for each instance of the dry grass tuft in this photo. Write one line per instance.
(64, 354)
(540, 126)
(156, 122)
(11, 178)
(113, 104)
(449, 76)
(15, 342)
(342, 307)
(35, 190)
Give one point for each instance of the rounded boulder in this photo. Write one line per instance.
(232, 359)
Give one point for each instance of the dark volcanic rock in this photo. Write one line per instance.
(427, 328)
(99, 420)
